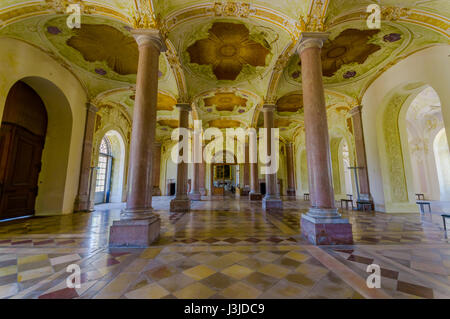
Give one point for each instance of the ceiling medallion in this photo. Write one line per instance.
(350, 46)
(290, 103)
(227, 49)
(100, 42)
(234, 9)
(225, 101)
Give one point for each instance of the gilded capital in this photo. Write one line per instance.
(311, 40)
(269, 107)
(146, 37)
(184, 107)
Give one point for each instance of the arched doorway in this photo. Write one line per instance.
(110, 177)
(442, 157)
(224, 174)
(423, 121)
(346, 172)
(103, 177)
(22, 137)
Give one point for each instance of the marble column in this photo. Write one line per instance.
(156, 167)
(246, 173)
(322, 225)
(181, 202)
(272, 198)
(360, 150)
(201, 176)
(139, 226)
(195, 189)
(290, 169)
(255, 193)
(85, 199)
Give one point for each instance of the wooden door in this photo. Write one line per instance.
(22, 137)
(19, 189)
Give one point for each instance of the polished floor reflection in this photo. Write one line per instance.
(225, 249)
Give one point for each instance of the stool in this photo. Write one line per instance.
(444, 216)
(422, 204)
(306, 196)
(420, 196)
(346, 201)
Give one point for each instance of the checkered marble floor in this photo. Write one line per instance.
(224, 249)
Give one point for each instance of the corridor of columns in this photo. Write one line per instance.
(224, 149)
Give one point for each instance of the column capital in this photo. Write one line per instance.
(311, 40)
(184, 107)
(91, 107)
(355, 110)
(269, 107)
(145, 37)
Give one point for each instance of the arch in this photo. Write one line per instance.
(117, 174)
(65, 101)
(442, 157)
(393, 89)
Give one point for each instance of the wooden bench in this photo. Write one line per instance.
(420, 196)
(306, 196)
(444, 216)
(422, 204)
(346, 201)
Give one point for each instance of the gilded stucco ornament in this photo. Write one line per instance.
(233, 9)
(60, 6)
(142, 15)
(394, 13)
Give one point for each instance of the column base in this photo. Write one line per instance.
(255, 196)
(274, 203)
(195, 196)
(134, 232)
(180, 205)
(291, 191)
(83, 205)
(156, 191)
(203, 192)
(326, 227)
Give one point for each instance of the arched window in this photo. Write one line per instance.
(103, 171)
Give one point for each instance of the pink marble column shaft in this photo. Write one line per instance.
(255, 193)
(272, 198)
(361, 161)
(195, 191)
(201, 176)
(181, 202)
(290, 169)
(316, 131)
(156, 166)
(139, 226)
(84, 200)
(322, 225)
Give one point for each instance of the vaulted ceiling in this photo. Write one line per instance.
(228, 57)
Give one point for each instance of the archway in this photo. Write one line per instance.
(110, 169)
(389, 167)
(421, 122)
(65, 102)
(22, 138)
(442, 157)
(224, 174)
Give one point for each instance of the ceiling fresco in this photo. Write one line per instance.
(227, 49)
(228, 57)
